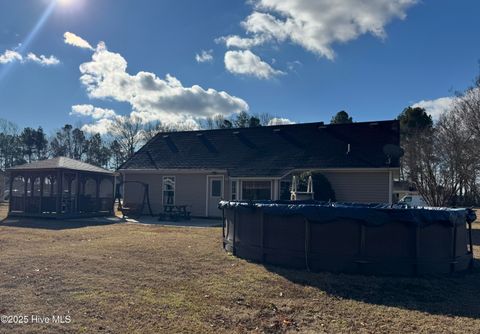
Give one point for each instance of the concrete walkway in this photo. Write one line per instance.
(194, 222)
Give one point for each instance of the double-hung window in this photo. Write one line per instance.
(168, 190)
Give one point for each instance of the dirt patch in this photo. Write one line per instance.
(126, 278)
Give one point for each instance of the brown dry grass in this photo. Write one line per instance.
(150, 279)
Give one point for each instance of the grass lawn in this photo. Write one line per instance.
(129, 278)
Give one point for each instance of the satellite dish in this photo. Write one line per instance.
(393, 151)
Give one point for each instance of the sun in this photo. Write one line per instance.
(69, 6)
(65, 2)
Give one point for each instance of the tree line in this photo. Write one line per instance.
(124, 137)
(441, 159)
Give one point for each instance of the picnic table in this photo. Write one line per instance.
(175, 212)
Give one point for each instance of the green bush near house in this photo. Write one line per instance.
(322, 188)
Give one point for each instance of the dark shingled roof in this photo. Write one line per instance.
(272, 150)
(60, 163)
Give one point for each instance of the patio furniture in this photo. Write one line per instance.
(175, 213)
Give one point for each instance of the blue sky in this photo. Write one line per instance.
(299, 60)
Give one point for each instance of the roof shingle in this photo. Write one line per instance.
(60, 163)
(272, 150)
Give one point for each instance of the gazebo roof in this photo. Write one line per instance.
(60, 163)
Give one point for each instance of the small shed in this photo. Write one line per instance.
(60, 188)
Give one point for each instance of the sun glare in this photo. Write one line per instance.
(64, 2)
(69, 6)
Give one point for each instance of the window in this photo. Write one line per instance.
(256, 190)
(169, 190)
(216, 190)
(234, 191)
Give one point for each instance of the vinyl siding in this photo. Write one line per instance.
(190, 189)
(363, 187)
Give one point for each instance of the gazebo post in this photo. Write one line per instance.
(77, 195)
(114, 192)
(32, 185)
(10, 181)
(97, 194)
(59, 191)
(42, 181)
(52, 181)
(25, 190)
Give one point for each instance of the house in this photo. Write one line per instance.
(199, 168)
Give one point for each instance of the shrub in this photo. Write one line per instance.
(322, 188)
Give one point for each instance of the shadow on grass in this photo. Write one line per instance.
(58, 224)
(454, 295)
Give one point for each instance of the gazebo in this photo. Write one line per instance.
(60, 188)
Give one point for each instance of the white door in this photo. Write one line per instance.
(215, 195)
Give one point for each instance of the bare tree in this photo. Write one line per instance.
(128, 133)
(265, 118)
(10, 148)
(440, 159)
(150, 130)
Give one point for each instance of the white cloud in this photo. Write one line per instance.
(91, 111)
(72, 39)
(204, 56)
(43, 60)
(247, 63)
(101, 126)
(152, 98)
(280, 121)
(317, 25)
(436, 107)
(241, 42)
(10, 56)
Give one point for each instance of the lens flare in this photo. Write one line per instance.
(31, 36)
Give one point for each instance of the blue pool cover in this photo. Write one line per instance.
(369, 214)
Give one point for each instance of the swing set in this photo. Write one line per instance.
(134, 210)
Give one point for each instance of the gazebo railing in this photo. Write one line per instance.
(17, 204)
(69, 204)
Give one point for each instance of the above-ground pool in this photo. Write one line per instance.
(351, 238)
